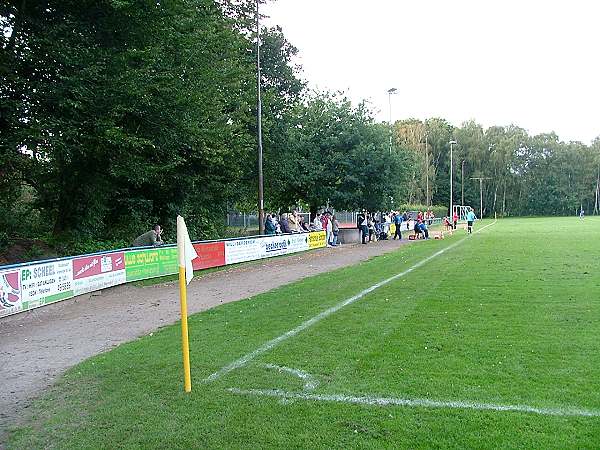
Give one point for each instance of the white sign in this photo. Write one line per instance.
(42, 281)
(241, 250)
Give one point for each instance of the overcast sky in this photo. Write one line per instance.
(528, 62)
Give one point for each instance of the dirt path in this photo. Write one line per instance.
(39, 345)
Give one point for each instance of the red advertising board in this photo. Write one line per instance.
(95, 265)
(210, 254)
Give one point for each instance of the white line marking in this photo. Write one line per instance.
(310, 322)
(416, 402)
(310, 382)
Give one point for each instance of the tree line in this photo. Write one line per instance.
(522, 174)
(115, 115)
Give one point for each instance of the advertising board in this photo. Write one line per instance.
(46, 283)
(150, 263)
(241, 250)
(36, 284)
(210, 254)
(92, 273)
(11, 296)
(316, 239)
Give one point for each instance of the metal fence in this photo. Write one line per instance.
(345, 218)
(242, 220)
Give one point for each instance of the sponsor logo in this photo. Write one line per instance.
(93, 263)
(106, 264)
(10, 291)
(276, 246)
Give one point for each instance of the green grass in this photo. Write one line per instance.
(510, 316)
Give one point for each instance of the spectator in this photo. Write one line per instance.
(324, 220)
(293, 222)
(364, 227)
(417, 230)
(424, 230)
(398, 219)
(150, 238)
(284, 224)
(430, 217)
(454, 219)
(302, 225)
(386, 224)
(317, 224)
(447, 223)
(336, 231)
(328, 228)
(270, 227)
(371, 228)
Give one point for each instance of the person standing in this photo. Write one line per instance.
(317, 223)
(293, 221)
(336, 231)
(581, 213)
(150, 238)
(470, 219)
(329, 230)
(371, 228)
(386, 225)
(398, 219)
(364, 227)
(454, 220)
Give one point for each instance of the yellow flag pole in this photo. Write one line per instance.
(185, 344)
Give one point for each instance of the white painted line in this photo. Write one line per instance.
(310, 382)
(416, 402)
(310, 322)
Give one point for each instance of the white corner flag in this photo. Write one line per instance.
(185, 249)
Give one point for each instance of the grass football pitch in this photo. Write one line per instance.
(489, 340)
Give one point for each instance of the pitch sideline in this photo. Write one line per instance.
(416, 402)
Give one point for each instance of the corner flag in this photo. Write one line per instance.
(185, 249)
(186, 254)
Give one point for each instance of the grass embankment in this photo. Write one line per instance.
(510, 317)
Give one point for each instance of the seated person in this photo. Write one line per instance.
(424, 230)
(284, 224)
(417, 230)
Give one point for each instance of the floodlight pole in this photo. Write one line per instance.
(480, 193)
(390, 92)
(261, 205)
(427, 166)
(451, 210)
(462, 182)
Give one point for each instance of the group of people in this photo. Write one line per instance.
(374, 227)
(285, 223)
(294, 223)
(450, 223)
